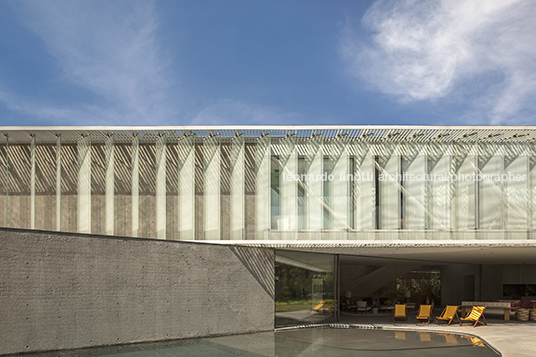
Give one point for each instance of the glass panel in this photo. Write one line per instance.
(314, 187)
(304, 288)
(237, 203)
(161, 187)
(439, 188)
(211, 204)
(490, 205)
(263, 189)
(3, 181)
(69, 188)
(123, 189)
(98, 188)
(338, 196)
(58, 183)
(414, 189)
(516, 166)
(147, 189)
(288, 189)
(84, 185)
(45, 196)
(532, 190)
(109, 185)
(135, 186)
(464, 196)
(186, 190)
(364, 190)
(389, 181)
(19, 186)
(32, 182)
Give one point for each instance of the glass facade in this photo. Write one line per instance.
(272, 183)
(305, 288)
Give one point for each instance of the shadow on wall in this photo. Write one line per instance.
(261, 266)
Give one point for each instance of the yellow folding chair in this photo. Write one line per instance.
(328, 308)
(424, 314)
(400, 313)
(317, 307)
(476, 313)
(449, 313)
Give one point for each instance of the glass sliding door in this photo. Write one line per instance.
(305, 288)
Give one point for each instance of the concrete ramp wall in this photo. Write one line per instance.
(63, 290)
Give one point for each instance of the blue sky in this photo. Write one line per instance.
(267, 62)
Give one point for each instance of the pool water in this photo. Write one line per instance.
(303, 342)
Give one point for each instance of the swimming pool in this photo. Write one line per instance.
(340, 342)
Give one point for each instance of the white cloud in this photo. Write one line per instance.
(479, 51)
(109, 48)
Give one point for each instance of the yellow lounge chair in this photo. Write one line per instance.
(400, 313)
(449, 313)
(424, 314)
(328, 308)
(317, 307)
(476, 313)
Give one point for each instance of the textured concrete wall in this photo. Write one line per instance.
(459, 283)
(62, 290)
(491, 282)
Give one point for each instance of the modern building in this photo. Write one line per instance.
(359, 212)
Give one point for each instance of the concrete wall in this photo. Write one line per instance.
(459, 283)
(491, 282)
(519, 274)
(63, 290)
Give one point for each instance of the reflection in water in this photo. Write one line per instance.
(449, 338)
(400, 335)
(425, 336)
(302, 342)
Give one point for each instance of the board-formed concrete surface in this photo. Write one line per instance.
(65, 290)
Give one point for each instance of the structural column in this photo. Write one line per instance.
(161, 187)
(389, 190)
(32, 181)
(109, 185)
(7, 180)
(490, 192)
(414, 189)
(262, 189)
(211, 204)
(186, 187)
(338, 195)
(58, 183)
(440, 191)
(532, 189)
(364, 189)
(288, 188)
(314, 186)
(135, 186)
(464, 161)
(84, 185)
(516, 165)
(237, 199)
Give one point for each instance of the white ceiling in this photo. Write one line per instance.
(437, 252)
